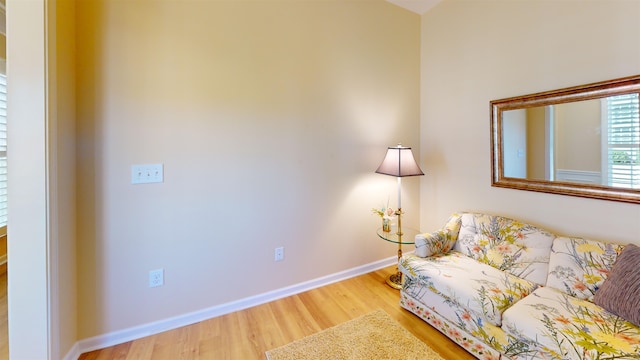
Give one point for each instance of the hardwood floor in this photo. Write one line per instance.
(4, 337)
(249, 333)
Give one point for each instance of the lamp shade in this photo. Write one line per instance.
(399, 162)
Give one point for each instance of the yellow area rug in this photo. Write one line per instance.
(373, 336)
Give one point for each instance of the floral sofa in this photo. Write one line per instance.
(503, 289)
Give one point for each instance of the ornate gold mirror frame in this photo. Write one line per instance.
(545, 148)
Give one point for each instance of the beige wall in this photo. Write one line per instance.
(536, 144)
(62, 149)
(477, 51)
(579, 137)
(269, 117)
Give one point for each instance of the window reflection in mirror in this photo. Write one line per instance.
(594, 141)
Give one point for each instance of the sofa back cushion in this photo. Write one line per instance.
(506, 244)
(579, 266)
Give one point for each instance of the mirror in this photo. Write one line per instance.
(580, 141)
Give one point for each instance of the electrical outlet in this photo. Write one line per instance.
(279, 254)
(156, 278)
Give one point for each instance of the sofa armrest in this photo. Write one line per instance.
(441, 241)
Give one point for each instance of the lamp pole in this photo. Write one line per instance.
(399, 162)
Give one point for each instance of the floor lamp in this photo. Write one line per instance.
(399, 162)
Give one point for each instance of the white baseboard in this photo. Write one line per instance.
(137, 332)
(585, 177)
(74, 353)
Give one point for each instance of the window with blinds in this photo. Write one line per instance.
(623, 141)
(3, 150)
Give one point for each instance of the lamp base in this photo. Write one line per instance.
(395, 280)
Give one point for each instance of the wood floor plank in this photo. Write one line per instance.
(4, 316)
(247, 334)
(293, 317)
(238, 346)
(189, 343)
(141, 348)
(264, 327)
(208, 330)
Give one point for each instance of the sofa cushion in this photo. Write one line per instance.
(482, 289)
(438, 242)
(579, 266)
(620, 292)
(506, 244)
(571, 328)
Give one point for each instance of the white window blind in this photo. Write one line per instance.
(3, 150)
(623, 141)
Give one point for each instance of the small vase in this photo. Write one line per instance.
(386, 225)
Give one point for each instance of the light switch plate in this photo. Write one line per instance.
(146, 173)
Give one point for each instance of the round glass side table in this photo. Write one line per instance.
(407, 237)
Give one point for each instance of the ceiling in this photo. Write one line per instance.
(417, 6)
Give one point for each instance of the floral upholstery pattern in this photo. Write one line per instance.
(579, 266)
(506, 244)
(458, 316)
(439, 242)
(502, 289)
(468, 338)
(553, 322)
(481, 289)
